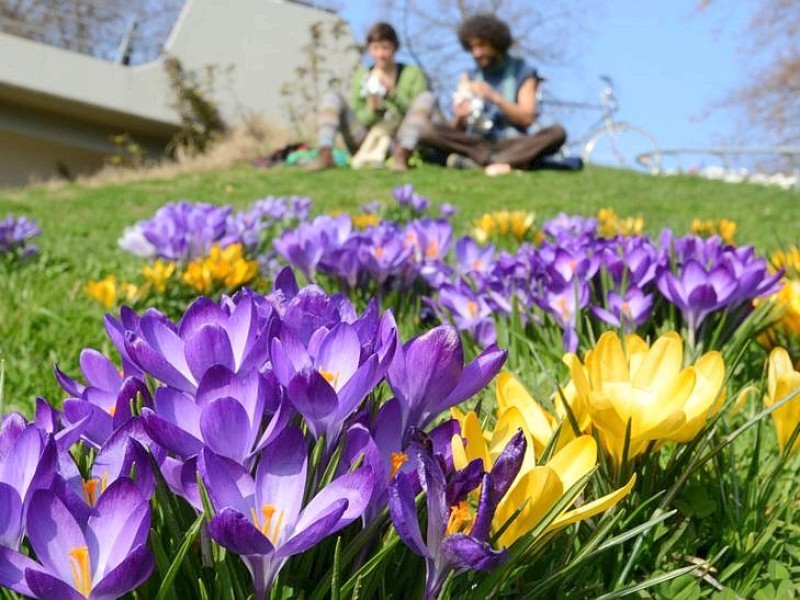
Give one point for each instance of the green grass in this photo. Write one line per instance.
(46, 318)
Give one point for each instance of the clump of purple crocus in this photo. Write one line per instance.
(251, 397)
(185, 230)
(16, 234)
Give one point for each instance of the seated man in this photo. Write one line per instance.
(389, 95)
(494, 106)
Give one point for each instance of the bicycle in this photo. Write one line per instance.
(608, 142)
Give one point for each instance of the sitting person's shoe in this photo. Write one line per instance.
(458, 161)
(324, 160)
(400, 159)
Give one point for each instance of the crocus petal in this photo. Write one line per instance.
(228, 483)
(464, 481)
(466, 552)
(508, 464)
(171, 368)
(359, 385)
(574, 460)
(475, 376)
(232, 530)
(592, 508)
(340, 351)
(12, 570)
(354, 487)
(170, 436)
(433, 363)
(226, 428)
(536, 492)
(46, 587)
(99, 371)
(209, 346)
(119, 523)
(473, 446)
(281, 475)
(314, 398)
(322, 524)
(135, 568)
(11, 523)
(403, 510)
(52, 531)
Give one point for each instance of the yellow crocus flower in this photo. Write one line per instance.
(365, 220)
(512, 395)
(648, 387)
(226, 267)
(782, 380)
(158, 274)
(103, 291)
(537, 488)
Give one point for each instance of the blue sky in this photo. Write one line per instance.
(670, 64)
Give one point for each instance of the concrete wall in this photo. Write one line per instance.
(52, 100)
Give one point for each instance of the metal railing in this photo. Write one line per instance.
(726, 156)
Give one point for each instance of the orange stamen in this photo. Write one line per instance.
(398, 460)
(81, 573)
(461, 520)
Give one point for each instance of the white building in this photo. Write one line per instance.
(59, 109)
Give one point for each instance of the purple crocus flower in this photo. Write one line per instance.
(373, 207)
(183, 230)
(208, 335)
(327, 382)
(474, 258)
(403, 193)
(305, 246)
(105, 558)
(564, 226)
(28, 461)
(125, 452)
(16, 234)
(456, 538)
(447, 210)
(106, 399)
(428, 375)
(264, 520)
(697, 291)
(630, 310)
(631, 261)
(470, 312)
(565, 303)
(388, 257)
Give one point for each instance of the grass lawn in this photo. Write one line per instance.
(46, 318)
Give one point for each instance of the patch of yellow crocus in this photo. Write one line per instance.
(158, 274)
(788, 260)
(502, 223)
(786, 302)
(365, 220)
(782, 380)
(724, 228)
(109, 292)
(609, 224)
(223, 267)
(628, 382)
(537, 488)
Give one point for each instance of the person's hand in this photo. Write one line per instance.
(483, 90)
(461, 109)
(375, 102)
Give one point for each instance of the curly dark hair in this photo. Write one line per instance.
(486, 27)
(383, 32)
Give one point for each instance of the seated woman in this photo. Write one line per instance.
(388, 95)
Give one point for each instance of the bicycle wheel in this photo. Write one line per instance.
(623, 146)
